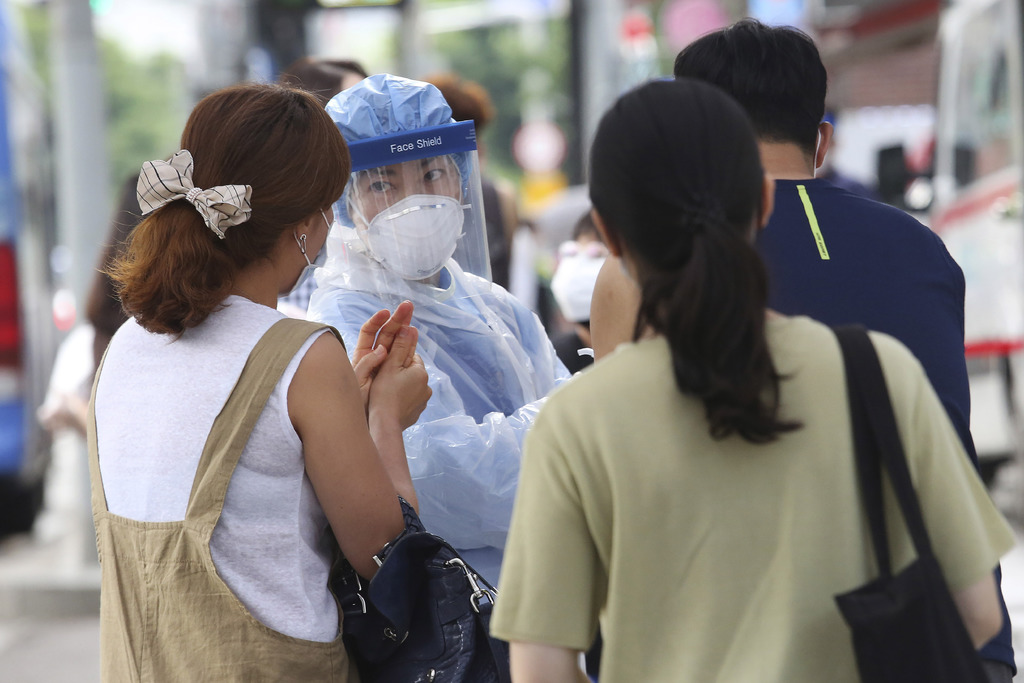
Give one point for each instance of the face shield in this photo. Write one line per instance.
(414, 202)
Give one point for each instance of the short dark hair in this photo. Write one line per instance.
(322, 77)
(585, 226)
(774, 72)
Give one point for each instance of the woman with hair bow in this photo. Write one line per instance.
(232, 450)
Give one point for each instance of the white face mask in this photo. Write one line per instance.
(416, 236)
(573, 282)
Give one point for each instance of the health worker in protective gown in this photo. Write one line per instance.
(410, 226)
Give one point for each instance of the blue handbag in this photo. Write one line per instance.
(423, 617)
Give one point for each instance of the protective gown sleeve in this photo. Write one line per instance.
(464, 457)
(465, 469)
(465, 472)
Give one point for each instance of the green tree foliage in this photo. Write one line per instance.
(146, 108)
(146, 98)
(497, 57)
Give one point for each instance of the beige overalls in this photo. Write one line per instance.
(165, 614)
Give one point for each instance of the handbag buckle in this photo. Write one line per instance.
(479, 592)
(358, 594)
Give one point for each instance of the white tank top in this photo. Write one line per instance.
(155, 404)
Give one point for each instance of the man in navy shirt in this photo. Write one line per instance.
(833, 255)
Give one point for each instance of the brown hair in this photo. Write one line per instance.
(280, 141)
(469, 101)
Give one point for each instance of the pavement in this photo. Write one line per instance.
(49, 579)
(50, 583)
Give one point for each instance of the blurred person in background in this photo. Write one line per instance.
(232, 451)
(102, 307)
(325, 78)
(675, 491)
(470, 102)
(579, 261)
(410, 227)
(67, 396)
(833, 255)
(535, 252)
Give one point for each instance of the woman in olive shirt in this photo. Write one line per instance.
(696, 491)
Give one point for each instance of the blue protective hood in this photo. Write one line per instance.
(384, 104)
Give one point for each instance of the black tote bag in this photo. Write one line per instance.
(905, 627)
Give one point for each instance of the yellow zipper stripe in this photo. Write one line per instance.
(813, 220)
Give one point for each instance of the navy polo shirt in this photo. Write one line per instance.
(841, 258)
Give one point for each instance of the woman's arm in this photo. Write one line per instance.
(397, 397)
(354, 482)
(978, 605)
(537, 663)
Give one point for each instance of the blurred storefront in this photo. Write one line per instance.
(882, 58)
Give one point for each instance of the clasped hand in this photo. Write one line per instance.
(390, 373)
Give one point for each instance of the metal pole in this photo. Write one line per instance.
(80, 133)
(600, 66)
(82, 186)
(576, 162)
(411, 50)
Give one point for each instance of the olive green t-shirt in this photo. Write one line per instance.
(719, 560)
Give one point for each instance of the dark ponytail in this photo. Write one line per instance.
(676, 175)
(711, 312)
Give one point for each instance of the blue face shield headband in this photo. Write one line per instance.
(453, 139)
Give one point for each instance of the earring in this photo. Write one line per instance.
(301, 241)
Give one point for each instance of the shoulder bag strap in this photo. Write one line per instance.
(875, 424)
(97, 496)
(865, 446)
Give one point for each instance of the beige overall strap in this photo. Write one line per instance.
(96, 493)
(233, 426)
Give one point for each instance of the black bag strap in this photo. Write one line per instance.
(877, 441)
(498, 648)
(865, 446)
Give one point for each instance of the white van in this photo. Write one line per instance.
(977, 206)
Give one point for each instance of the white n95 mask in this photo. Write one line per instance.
(416, 236)
(573, 282)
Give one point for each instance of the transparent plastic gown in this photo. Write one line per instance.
(490, 366)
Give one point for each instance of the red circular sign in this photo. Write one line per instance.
(539, 146)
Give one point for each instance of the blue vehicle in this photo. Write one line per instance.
(28, 336)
